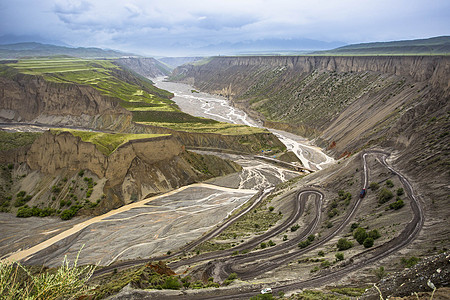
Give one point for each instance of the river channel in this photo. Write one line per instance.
(219, 108)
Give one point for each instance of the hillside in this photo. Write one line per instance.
(174, 62)
(432, 46)
(33, 49)
(347, 104)
(147, 67)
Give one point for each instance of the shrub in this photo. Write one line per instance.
(339, 256)
(389, 184)
(410, 262)
(172, 283)
(354, 226)
(325, 264)
(400, 191)
(81, 173)
(70, 213)
(304, 244)
(368, 242)
(263, 245)
(374, 234)
(360, 235)
(397, 205)
(333, 212)
(285, 238)
(321, 253)
(380, 273)
(311, 238)
(271, 243)
(374, 186)
(295, 227)
(384, 196)
(271, 208)
(344, 244)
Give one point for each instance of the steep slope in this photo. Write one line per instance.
(59, 169)
(399, 103)
(147, 67)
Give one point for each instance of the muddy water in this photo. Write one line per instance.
(219, 108)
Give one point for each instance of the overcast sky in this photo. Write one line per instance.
(177, 27)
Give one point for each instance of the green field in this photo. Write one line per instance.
(217, 127)
(106, 142)
(104, 76)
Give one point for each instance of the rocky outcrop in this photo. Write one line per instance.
(134, 170)
(32, 98)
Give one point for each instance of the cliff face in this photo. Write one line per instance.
(32, 98)
(133, 171)
(346, 103)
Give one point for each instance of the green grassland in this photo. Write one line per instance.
(13, 140)
(208, 127)
(106, 142)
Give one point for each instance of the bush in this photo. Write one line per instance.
(380, 273)
(389, 184)
(263, 245)
(397, 205)
(304, 244)
(400, 191)
(325, 264)
(374, 234)
(360, 235)
(410, 262)
(81, 173)
(344, 244)
(271, 243)
(368, 242)
(285, 238)
(354, 226)
(339, 256)
(70, 213)
(311, 238)
(172, 283)
(333, 212)
(321, 253)
(374, 186)
(384, 196)
(271, 208)
(295, 227)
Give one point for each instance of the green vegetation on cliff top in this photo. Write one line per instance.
(106, 142)
(13, 140)
(216, 127)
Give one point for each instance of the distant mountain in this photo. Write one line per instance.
(15, 39)
(270, 46)
(432, 46)
(174, 62)
(33, 49)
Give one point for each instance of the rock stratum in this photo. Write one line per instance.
(54, 166)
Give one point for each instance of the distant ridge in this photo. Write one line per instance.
(33, 49)
(433, 46)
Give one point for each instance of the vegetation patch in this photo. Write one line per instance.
(106, 142)
(14, 140)
(206, 126)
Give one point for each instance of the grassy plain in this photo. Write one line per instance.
(106, 142)
(218, 127)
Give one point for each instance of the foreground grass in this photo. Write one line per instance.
(106, 142)
(66, 282)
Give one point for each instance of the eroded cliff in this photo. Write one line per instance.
(56, 167)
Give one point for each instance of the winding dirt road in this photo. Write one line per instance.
(273, 259)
